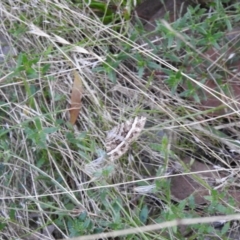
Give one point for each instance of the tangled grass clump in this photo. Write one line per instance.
(182, 77)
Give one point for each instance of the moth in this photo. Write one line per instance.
(120, 137)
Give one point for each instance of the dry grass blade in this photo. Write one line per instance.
(76, 97)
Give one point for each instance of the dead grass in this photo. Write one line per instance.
(47, 190)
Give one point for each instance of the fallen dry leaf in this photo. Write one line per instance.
(158, 10)
(76, 98)
(182, 186)
(147, 9)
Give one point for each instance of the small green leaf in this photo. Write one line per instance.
(49, 130)
(82, 216)
(156, 147)
(144, 214)
(12, 213)
(225, 228)
(45, 68)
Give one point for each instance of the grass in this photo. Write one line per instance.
(49, 184)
